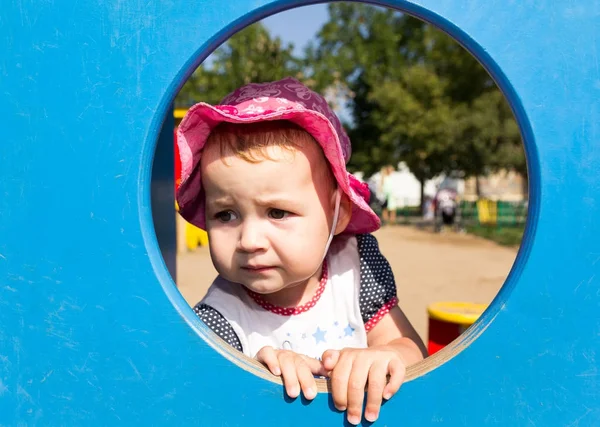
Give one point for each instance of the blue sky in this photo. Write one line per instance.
(299, 25)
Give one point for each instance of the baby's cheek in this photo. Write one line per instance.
(309, 255)
(220, 251)
(302, 246)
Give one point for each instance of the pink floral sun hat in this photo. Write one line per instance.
(286, 99)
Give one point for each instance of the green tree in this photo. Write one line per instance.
(487, 135)
(417, 118)
(356, 50)
(251, 55)
(415, 95)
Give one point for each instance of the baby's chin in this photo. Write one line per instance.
(270, 283)
(260, 285)
(264, 288)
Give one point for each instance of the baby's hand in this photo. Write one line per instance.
(351, 369)
(297, 370)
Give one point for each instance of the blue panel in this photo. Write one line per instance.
(92, 329)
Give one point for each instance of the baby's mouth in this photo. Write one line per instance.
(257, 268)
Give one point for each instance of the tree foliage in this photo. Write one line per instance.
(251, 55)
(415, 94)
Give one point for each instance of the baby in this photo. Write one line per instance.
(302, 286)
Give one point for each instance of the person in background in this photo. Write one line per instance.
(446, 209)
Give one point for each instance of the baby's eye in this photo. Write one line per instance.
(226, 216)
(278, 213)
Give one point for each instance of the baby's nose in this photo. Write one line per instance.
(252, 238)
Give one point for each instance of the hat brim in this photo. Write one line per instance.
(202, 118)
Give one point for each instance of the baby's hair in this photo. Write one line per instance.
(251, 141)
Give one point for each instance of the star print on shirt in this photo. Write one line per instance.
(348, 330)
(319, 335)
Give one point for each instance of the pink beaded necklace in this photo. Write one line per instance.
(292, 311)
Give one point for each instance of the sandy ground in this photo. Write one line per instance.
(428, 268)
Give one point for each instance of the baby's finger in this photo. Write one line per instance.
(376, 384)
(315, 366)
(339, 382)
(306, 378)
(288, 373)
(356, 390)
(330, 359)
(397, 370)
(268, 357)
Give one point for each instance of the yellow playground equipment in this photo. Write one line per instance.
(487, 211)
(189, 237)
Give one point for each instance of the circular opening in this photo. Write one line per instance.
(495, 216)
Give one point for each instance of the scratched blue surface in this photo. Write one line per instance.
(92, 330)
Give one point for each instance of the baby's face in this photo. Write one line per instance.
(268, 222)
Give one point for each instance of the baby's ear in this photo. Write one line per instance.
(345, 213)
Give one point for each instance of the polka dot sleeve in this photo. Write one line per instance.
(217, 323)
(377, 285)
